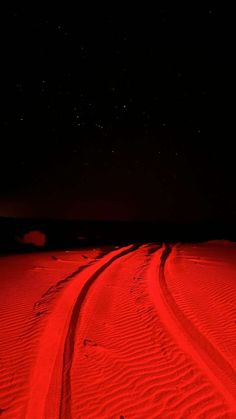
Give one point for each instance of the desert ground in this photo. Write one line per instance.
(141, 331)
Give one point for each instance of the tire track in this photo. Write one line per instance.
(50, 390)
(216, 367)
(65, 405)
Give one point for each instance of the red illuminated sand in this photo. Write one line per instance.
(137, 332)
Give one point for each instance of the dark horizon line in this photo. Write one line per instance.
(116, 220)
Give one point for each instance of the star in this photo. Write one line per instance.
(99, 126)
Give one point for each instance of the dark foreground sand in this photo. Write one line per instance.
(138, 332)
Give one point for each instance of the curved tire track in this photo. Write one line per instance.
(50, 391)
(216, 367)
(65, 406)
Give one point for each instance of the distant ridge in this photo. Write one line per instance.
(78, 233)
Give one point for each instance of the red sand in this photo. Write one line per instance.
(140, 332)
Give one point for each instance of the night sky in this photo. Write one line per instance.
(115, 115)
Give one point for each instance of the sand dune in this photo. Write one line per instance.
(137, 332)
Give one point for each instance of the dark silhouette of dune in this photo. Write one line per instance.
(21, 235)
